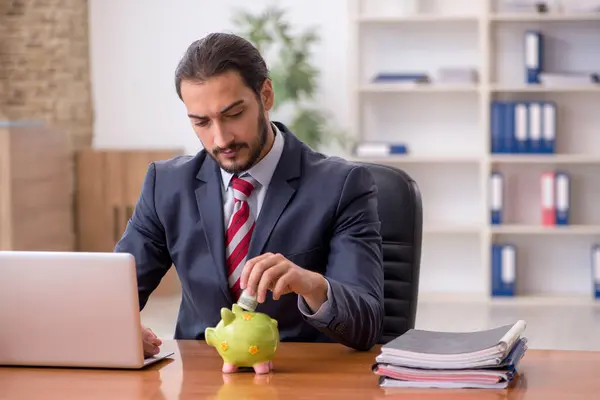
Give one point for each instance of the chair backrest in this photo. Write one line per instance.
(401, 214)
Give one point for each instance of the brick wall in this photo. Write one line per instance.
(3, 56)
(44, 65)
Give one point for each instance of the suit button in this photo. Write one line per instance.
(340, 328)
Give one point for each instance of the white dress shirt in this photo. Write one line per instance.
(262, 172)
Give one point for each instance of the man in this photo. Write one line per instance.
(257, 209)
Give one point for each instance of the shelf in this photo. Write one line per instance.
(545, 89)
(545, 300)
(473, 88)
(446, 127)
(545, 158)
(450, 228)
(519, 300)
(550, 17)
(450, 297)
(410, 159)
(545, 230)
(417, 18)
(417, 87)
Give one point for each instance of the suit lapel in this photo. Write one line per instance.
(209, 199)
(280, 192)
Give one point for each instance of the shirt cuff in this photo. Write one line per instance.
(323, 314)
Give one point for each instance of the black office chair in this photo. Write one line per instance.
(401, 215)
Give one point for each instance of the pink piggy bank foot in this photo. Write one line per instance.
(263, 368)
(229, 368)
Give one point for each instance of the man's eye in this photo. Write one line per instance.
(201, 123)
(236, 114)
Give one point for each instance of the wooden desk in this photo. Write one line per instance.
(309, 371)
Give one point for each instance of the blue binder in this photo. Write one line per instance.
(379, 149)
(533, 56)
(548, 127)
(508, 133)
(503, 269)
(521, 127)
(596, 270)
(534, 132)
(496, 197)
(563, 200)
(497, 127)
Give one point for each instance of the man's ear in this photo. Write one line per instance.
(267, 94)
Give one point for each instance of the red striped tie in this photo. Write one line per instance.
(239, 232)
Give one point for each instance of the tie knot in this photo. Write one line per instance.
(242, 187)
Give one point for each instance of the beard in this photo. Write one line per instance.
(256, 147)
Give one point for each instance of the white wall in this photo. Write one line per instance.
(136, 45)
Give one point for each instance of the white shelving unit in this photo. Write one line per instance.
(447, 130)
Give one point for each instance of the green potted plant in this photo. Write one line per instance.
(294, 77)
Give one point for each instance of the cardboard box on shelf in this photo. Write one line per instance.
(36, 188)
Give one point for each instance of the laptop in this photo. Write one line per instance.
(70, 309)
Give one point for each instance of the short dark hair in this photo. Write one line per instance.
(217, 53)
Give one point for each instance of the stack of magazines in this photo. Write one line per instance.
(429, 359)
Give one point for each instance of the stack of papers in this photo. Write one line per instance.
(457, 75)
(429, 359)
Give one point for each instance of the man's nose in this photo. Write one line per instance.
(221, 138)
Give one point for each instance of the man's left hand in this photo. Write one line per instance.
(276, 273)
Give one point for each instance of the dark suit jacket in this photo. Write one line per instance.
(319, 212)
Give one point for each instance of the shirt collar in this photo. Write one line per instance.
(264, 169)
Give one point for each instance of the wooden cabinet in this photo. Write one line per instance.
(36, 188)
(109, 183)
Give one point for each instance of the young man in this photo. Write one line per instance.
(257, 209)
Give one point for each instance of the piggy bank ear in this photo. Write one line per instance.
(274, 322)
(209, 334)
(227, 316)
(237, 309)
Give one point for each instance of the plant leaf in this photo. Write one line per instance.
(279, 80)
(309, 126)
(254, 28)
(294, 77)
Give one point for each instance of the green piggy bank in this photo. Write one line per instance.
(244, 339)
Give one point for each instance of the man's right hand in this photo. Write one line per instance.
(151, 342)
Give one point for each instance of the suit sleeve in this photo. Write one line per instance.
(144, 238)
(355, 310)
